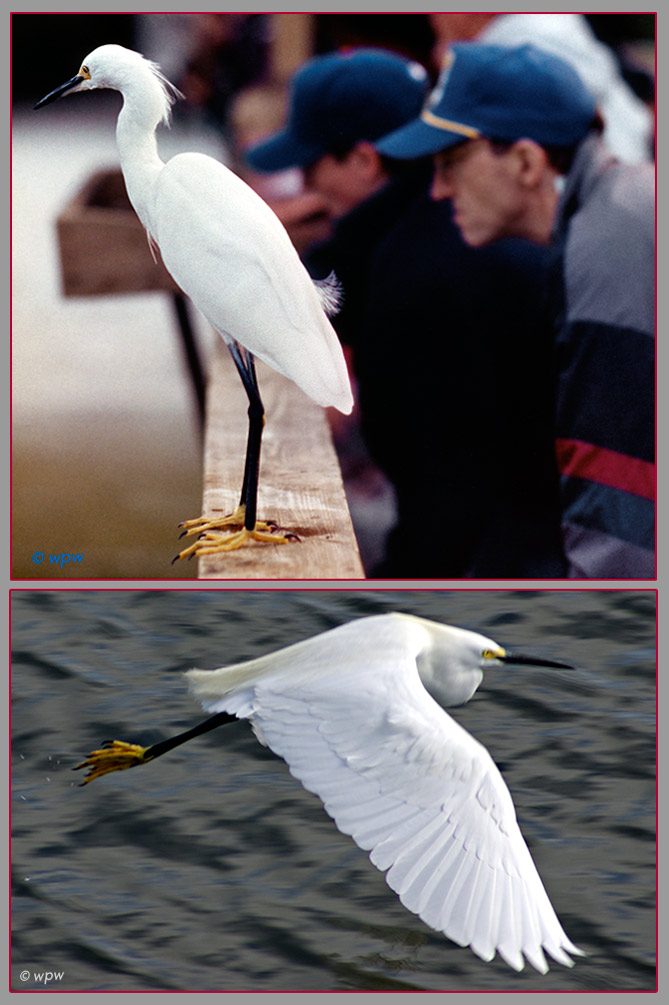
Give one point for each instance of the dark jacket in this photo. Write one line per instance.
(605, 423)
(452, 356)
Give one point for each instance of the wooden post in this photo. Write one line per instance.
(292, 43)
(300, 481)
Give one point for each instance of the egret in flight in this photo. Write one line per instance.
(356, 714)
(228, 251)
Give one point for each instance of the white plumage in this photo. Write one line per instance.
(350, 714)
(255, 293)
(219, 240)
(223, 245)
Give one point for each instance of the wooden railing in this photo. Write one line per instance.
(300, 481)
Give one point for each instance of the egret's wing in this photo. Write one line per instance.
(229, 252)
(412, 787)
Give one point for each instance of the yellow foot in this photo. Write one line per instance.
(115, 755)
(202, 523)
(210, 543)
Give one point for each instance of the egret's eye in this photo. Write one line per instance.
(489, 654)
(84, 72)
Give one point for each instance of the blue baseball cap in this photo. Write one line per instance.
(501, 93)
(339, 99)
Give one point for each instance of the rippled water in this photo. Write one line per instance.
(213, 870)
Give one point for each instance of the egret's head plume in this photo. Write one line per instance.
(123, 69)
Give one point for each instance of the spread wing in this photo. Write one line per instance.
(414, 789)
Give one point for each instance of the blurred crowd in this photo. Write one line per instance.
(491, 220)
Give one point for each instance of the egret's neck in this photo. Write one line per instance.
(140, 163)
(446, 667)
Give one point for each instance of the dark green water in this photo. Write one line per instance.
(213, 870)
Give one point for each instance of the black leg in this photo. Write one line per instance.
(116, 755)
(246, 367)
(220, 719)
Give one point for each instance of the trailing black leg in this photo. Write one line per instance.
(117, 755)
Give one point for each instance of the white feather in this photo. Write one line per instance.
(348, 712)
(221, 243)
(330, 293)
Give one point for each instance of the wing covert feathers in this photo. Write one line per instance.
(408, 784)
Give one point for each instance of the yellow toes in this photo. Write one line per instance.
(115, 755)
(210, 542)
(203, 523)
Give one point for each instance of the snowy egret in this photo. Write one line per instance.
(353, 713)
(228, 251)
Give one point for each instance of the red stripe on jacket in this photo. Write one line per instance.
(608, 467)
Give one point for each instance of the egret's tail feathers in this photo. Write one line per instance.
(330, 294)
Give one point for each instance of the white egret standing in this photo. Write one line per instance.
(352, 711)
(228, 251)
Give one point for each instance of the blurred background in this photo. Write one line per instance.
(106, 408)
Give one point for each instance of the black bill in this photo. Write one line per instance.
(534, 661)
(63, 89)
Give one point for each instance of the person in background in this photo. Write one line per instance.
(517, 151)
(210, 56)
(450, 345)
(628, 123)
